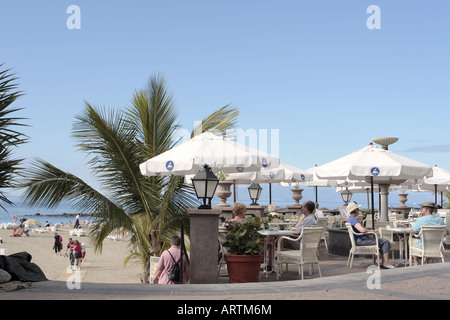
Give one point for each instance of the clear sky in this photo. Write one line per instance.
(311, 69)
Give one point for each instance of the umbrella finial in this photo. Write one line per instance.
(385, 141)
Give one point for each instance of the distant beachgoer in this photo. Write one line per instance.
(57, 246)
(70, 248)
(77, 254)
(83, 251)
(21, 222)
(47, 224)
(77, 222)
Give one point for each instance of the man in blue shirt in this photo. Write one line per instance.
(363, 240)
(427, 218)
(307, 220)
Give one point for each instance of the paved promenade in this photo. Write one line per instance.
(420, 282)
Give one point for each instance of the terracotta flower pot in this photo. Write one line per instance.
(243, 268)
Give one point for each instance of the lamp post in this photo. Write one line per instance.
(205, 183)
(346, 196)
(255, 191)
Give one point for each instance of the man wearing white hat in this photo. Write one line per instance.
(427, 218)
(363, 240)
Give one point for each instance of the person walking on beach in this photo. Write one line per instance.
(167, 262)
(83, 251)
(70, 248)
(77, 222)
(57, 246)
(77, 254)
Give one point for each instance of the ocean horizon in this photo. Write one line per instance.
(281, 196)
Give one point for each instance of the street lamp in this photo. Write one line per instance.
(205, 184)
(255, 191)
(346, 196)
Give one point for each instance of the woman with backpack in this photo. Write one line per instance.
(57, 246)
(169, 258)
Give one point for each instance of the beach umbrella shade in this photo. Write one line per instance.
(32, 222)
(377, 166)
(216, 151)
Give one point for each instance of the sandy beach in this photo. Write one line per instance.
(104, 267)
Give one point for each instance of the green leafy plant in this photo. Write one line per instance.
(269, 218)
(243, 237)
(221, 175)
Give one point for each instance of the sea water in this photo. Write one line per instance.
(64, 213)
(281, 196)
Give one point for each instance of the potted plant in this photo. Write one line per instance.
(269, 218)
(244, 245)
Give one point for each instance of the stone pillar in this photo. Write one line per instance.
(257, 211)
(204, 245)
(384, 195)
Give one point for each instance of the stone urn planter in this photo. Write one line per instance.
(223, 192)
(403, 197)
(297, 196)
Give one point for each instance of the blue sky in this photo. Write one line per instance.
(311, 69)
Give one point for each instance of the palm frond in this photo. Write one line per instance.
(111, 142)
(8, 95)
(153, 109)
(220, 121)
(47, 186)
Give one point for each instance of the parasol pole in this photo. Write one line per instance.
(435, 194)
(373, 206)
(270, 193)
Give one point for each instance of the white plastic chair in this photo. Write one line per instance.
(364, 250)
(432, 243)
(388, 234)
(307, 253)
(323, 223)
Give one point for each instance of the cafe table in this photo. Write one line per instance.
(403, 234)
(271, 236)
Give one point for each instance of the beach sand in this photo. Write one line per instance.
(104, 267)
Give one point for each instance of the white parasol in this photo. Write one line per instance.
(216, 151)
(376, 165)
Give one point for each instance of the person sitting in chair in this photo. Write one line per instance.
(363, 240)
(427, 218)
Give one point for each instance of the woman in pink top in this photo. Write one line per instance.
(166, 263)
(77, 253)
(238, 211)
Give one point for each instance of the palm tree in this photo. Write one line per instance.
(9, 136)
(117, 141)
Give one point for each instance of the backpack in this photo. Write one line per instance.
(174, 274)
